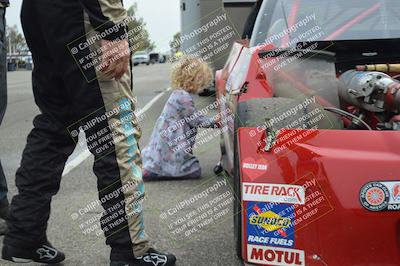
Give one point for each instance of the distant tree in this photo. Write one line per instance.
(176, 44)
(15, 41)
(140, 38)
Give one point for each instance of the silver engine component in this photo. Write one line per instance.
(371, 91)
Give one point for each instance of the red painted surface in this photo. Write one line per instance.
(258, 85)
(342, 232)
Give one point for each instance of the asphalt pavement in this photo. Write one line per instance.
(190, 218)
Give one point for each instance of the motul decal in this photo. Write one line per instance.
(381, 196)
(277, 193)
(274, 255)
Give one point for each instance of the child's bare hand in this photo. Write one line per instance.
(218, 122)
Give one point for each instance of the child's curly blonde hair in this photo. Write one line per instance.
(191, 74)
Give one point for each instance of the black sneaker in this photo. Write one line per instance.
(151, 258)
(45, 253)
(207, 93)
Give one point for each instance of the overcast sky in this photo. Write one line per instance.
(162, 18)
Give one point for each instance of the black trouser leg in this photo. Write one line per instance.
(3, 93)
(38, 180)
(3, 64)
(3, 188)
(48, 144)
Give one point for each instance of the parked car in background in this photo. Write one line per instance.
(154, 58)
(141, 57)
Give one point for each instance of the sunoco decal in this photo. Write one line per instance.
(278, 193)
(274, 255)
(381, 196)
(270, 224)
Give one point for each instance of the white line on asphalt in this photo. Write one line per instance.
(86, 153)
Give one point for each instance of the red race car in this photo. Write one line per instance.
(310, 112)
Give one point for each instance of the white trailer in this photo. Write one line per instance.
(196, 14)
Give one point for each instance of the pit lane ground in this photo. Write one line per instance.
(211, 244)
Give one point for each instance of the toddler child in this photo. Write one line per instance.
(169, 153)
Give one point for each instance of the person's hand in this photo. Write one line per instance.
(218, 122)
(115, 58)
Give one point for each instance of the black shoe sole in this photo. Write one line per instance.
(119, 263)
(22, 260)
(122, 263)
(18, 260)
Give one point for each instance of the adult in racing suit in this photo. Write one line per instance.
(3, 105)
(81, 81)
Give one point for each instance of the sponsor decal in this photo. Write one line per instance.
(274, 224)
(270, 221)
(278, 193)
(270, 224)
(381, 196)
(396, 192)
(254, 168)
(275, 256)
(374, 196)
(393, 207)
(394, 201)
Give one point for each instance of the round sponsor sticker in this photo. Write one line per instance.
(374, 196)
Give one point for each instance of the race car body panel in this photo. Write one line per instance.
(239, 81)
(333, 218)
